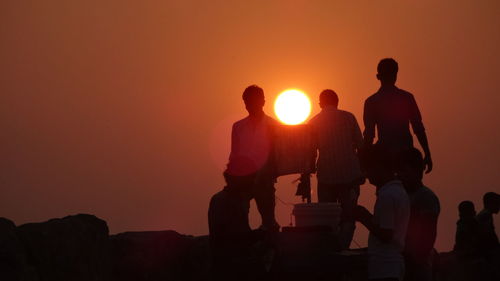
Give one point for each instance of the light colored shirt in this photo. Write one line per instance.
(251, 141)
(337, 137)
(392, 211)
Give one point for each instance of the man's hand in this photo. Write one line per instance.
(428, 164)
(362, 215)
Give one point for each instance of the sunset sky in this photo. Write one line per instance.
(122, 109)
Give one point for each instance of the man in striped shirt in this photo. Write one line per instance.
(338, 138)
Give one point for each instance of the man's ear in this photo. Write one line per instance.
(378, 76)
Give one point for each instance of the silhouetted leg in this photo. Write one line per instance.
(228, 229)
(348, 195)
(265, 200)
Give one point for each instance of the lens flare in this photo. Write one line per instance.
(292, 107)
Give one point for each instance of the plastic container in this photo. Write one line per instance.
(317, 214)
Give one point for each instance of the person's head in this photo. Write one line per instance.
(387, 71)
(377, 165)
(466, 209)
(328, 98)
(410, 168)
(253, 96)
(491, 202)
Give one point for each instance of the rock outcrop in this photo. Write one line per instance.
(13, 265)
(72, 248)
(79, 248)
(158, 255)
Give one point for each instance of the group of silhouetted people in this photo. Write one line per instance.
(404, 222)
(476, 242)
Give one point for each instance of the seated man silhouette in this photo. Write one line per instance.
(487, 236)
(466, 236)
(232, 241)
(424, 212)
(390, 217)
(391, 110)
(337, 138)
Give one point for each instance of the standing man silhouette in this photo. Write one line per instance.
(338, 139)
(250, 161)
(391, 110)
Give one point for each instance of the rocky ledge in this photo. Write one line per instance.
(79, 248)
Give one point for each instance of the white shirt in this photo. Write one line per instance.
(251, 140)
(337, 137)
(392, 211)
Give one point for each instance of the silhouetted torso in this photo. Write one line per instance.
(488, 238)
(466, 236)
(391, 211)
(337, 136)
(421, 233)
(391, 110)
(251, 141)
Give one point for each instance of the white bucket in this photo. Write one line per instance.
(316, 214)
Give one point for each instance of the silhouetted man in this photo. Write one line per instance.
(389, 221)
(391, 110)
(251, 156)
(232, 241)
(338, 138)
(466, 236)
(488, 237)
(424, 213)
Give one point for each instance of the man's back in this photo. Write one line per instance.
(391, 110)
(392, 211)
(337, 137)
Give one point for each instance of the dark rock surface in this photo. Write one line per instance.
(78, 248)
(71, 248)
(159, 255)
(13, 264)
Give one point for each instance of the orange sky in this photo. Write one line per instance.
(122, 108)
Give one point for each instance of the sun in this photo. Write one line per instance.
(292, 107)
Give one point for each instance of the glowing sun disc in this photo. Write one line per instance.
(292, 107)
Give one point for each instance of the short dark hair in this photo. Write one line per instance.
(329, 97)
(466, 207)
(387, 67)
(490, 198)
(412, 157)
(252, 92)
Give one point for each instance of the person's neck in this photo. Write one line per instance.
(256, 115)
(387, 85)
(329, 107)
(413, 186)
(383, 182)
